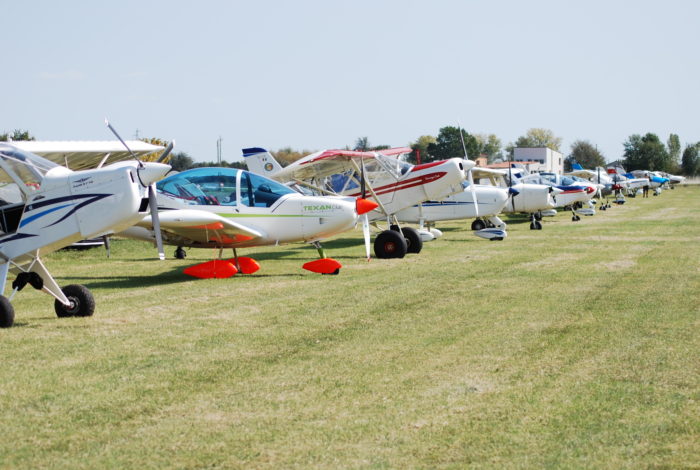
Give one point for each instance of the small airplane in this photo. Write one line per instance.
(54, 207)
(490, 201)
(232, 208)
(529, 198)
(393, 184)
(573, 193)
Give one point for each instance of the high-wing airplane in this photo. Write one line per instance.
(573, 193)
(490, 200)
(393, 183)
(231, 208)
(53, 207)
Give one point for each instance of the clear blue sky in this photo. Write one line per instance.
(315, 74)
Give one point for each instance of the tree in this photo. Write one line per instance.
(152, 157)
(17, 134)
(362, 144)
(420, 146)
(180, 161)
(690, 162)
(646, 153)
(585, 154)
(490, 146)
(448, 145)
(536, 137)
(673, 145)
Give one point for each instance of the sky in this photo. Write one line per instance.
(315, 74)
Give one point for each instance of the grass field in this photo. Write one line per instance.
(572, 347)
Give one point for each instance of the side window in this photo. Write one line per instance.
(258, 191)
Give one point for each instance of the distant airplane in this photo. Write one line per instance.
(54, 207)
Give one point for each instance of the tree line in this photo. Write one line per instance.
(641, 152)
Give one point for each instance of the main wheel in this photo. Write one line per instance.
(82, 302)
(413, 240)
(478, 224)
(538, 225)
(390, 244)
(7, 313)
(180, 253)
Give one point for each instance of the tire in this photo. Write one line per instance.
(533, 226)
(180, 253)
(538, 225)
(478, 224)
(7, 313)
(390, 244)
(82, 300)
(414, 243)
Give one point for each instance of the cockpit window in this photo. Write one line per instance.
(393, 165)
(258, 191)
(217, 186)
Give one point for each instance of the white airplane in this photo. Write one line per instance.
(529, 198)
(54, 207)
(231, 208)
(490, 201)
(573, 193)
(394, 184)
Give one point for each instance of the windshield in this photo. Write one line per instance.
(218, 186)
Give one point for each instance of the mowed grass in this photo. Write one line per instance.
(572, 347)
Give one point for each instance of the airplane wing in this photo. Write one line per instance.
(329, 162)
(200, 226)
(82, 155)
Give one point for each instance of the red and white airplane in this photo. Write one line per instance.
(393, 184)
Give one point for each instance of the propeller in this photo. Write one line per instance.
(152, 199)
(365, 217)
(469, 172)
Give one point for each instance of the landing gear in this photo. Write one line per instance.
(7, 313)
(82, 303)
(535, 223)
(390, 244)
(414, 243)
(478, 224)
(180, 253)
(575, 218)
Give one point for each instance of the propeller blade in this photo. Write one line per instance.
(155, 220)
(365, 233)
(473, 191)
(363, 188)
(114, 131)
(166, 152)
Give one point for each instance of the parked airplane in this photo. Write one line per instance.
(56, 207)
(529, 198)
(231, 208)
(490, 200)
(574, 193)
(393, 183)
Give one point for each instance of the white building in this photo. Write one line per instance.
(546, 158)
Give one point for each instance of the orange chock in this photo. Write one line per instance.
(247, 265)
(323, 266)
(217, 268)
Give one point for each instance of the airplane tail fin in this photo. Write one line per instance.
(260, 161)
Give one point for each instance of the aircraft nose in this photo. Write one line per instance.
(363, 206)
(151, 172)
